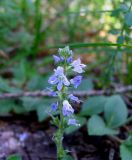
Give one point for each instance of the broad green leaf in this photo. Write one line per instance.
(43, 109)
(30, 103)
(126, 149)
(126, 152)
(115, 111)
(96, 126)
(14, 157)
(19, 109)
(4, 85)
(72, 129)
(128, 19)
(85, 85)
(37, 82)
(67, 157)
(20, 73)
(6, 106)
(93, 105)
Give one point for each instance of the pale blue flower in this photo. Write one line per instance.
(76, 81)
(70, 59)
(74, 98)
(23, 136)
(73, 122)
(53, 94)
(59, 78)
(54, 106)
(78, 66)
(67, 109)
(58, 59)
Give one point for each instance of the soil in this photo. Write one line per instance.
(33, 141)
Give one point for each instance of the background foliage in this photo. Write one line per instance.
(99, 31)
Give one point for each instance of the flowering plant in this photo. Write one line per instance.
(60, 83)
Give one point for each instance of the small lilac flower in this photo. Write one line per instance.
(78, 66)
(23, 136)
(59, 78)
(67, 109)
(76, 81)
(73, 122)
(58, 59)
(53, 94)
(70, 59)
(74, 98)
(54, 106)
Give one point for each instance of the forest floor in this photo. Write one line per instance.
(33, 141)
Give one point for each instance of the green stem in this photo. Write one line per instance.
(59, 134)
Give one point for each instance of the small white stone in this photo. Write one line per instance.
(13, 144)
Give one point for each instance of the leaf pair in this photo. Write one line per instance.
(126, 149)
(115, 114)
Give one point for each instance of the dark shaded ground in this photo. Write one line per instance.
(33, 141)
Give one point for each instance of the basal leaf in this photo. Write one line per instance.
(43, 109)
(67, 157)
(96, 126)
(85, 85)
(125, 152)
(6, 106)
(37, 82)
(115, 111)
(30, 103)
(93, 105)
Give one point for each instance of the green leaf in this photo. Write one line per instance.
(20, 73)
(93, 105)
(96, 126)
(115, 111)
(6, 106)
(43, 108)
(37, 82)
(86, 84)
(30, 103)
(126, 152)
(71, 129)
(14, 157)
(19, 109)
(4, 85)
(67, 157)
(80, 45)
(128, 19)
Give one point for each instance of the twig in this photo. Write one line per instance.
(118, 90)
(115, 138)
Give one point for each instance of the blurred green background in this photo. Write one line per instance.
(99, 31)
